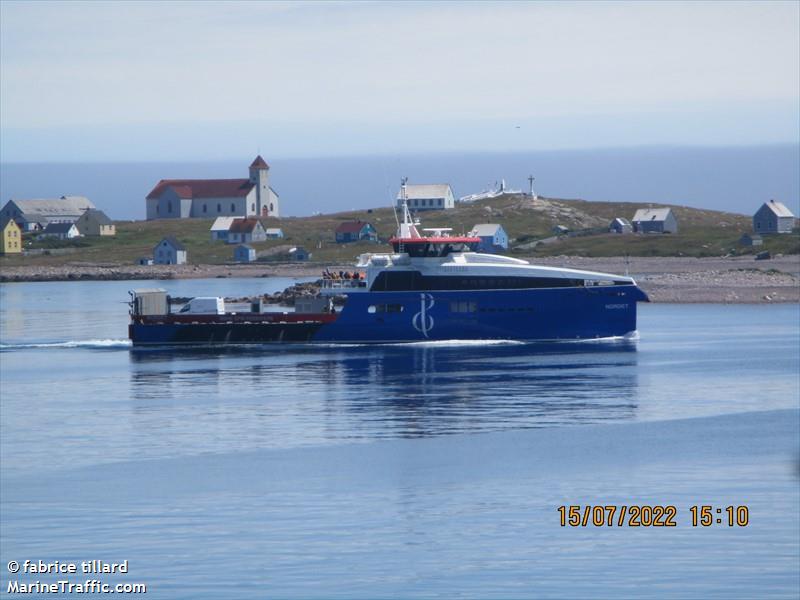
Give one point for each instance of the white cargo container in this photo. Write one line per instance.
(149, 301)
(204, 306)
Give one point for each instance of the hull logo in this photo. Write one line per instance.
(422, 321)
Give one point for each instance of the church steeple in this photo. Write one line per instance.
(259, 163)
(259, 176)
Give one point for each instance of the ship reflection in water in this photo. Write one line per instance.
(289, 397)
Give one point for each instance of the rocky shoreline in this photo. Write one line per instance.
(672, 280)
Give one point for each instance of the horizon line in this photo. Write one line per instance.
(410, 153)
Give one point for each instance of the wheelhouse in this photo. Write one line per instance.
(434, 247)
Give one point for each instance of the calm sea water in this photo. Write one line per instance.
(429, 470)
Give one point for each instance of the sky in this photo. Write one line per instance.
(116, 81)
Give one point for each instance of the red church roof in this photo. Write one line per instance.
(259, 163)
(203, 188)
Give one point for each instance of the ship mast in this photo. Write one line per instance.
(407, 228)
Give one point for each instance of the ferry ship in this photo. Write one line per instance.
(431, 287)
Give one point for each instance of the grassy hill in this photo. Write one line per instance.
(701, 233)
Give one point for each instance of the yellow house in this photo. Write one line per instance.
(10, 237)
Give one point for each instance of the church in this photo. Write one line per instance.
(211, 198)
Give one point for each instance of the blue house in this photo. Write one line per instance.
(244, 253)
(169, 251)
(493, 237)
(354, 231)
(773, 217)
(620, 225)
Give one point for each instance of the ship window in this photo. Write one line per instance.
(385, 308)
(463, 307)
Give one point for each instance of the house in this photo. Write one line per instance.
(169, 251)
(274, 233)
(206, 198)
(751, 240)
(773, 217)
(299, 253)
(220, 227)
(10, 236)
(95, 222)
(61, 231)
(493, 237)
(244, 231)
(244, 253)
(428, 196)
(620, 225)
(655, 220)
(35, 214)
(354, 231)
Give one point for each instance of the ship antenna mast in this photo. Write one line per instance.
(403, 198)
(406, 228)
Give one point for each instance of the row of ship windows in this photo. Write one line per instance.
(385, 308)
(471, 307)
(415, 281)
(456, 307)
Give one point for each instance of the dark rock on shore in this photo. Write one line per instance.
(300, 290)
(285, 298)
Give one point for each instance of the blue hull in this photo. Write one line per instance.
(536, 314)
(390, 317)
